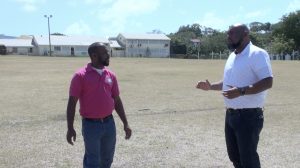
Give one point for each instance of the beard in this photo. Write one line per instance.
(105, 62)
(233, 46)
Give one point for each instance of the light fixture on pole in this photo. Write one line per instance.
(48, 17)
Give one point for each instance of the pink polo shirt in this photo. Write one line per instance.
(95, 91)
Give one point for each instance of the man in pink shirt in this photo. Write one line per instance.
(97, 90)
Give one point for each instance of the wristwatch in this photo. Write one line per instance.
(242, 90)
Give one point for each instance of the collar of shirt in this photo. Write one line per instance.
(100, 71)
(245, 50)
(91, 68)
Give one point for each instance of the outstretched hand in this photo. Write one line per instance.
(203, 85)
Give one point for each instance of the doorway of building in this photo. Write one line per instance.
(2, 50)
(72, 51)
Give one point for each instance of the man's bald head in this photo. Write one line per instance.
(240, 28)
(93, 47)
(99, 55)
(238, 37)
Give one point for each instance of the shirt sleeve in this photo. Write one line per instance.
(75, 86)
(115, 88)
(261, 65)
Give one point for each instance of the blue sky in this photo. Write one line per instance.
(109, 17)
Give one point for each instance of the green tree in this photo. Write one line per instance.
(256, 26)
(289, 27)
(213, 43)
(180, 41)
(280, 44)
(195, 28)
(261, 39)
(259, 27)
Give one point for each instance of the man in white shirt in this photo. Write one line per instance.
(247, 76)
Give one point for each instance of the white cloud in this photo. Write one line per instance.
(78, 28)
(211, 20)
(29, 8)
(293, 6)
(255, 14)
(90, 2)
(241, 8)
(115, 17)
(72, 3)
(30, 5)
(103, 2)
(182, 12)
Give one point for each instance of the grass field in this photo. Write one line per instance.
(174, 124)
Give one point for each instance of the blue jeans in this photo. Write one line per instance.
(242, 129)
(99, 141)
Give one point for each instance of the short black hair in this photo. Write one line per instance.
(93, 47)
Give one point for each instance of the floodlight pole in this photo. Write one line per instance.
(48, 17)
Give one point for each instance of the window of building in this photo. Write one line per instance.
(57, 48)
(14, 49)
(84, 53)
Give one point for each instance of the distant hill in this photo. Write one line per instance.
(2, 36)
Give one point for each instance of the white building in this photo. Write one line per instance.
(116, 50)
(145, 45)
(18, 46)
(65, 45)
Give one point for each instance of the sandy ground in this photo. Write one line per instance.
(174, 124)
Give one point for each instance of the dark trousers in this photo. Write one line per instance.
(99, 141)
(242, 128)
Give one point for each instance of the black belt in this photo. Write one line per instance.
(231, 110)
(99, 119)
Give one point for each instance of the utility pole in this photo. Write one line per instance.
(48, 17)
